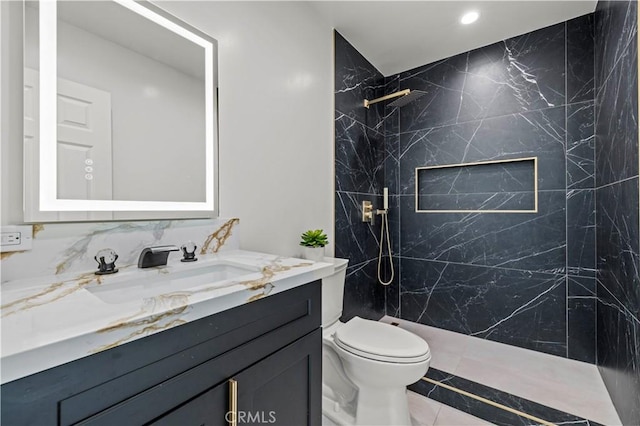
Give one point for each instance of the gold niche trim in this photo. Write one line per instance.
(479, 163)
(489, 402)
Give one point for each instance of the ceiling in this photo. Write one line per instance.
(397, 36)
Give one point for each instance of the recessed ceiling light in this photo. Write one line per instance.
(469, 18)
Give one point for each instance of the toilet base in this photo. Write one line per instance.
(383, 406)
(336, 413)
(374, 406)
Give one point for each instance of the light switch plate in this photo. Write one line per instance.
(16, 238)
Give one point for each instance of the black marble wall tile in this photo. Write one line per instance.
(617, 242)
(581, 232)
(531, 95)
(484, 201)
(617, 202)
(392, 163)
(528, 241)
(580, 146)
(355, 240)
(392, 292)
(363, 296)
(619, 355)
(519, 74)
(437, 106)
(521, 308)
(360, 166)
(617, 121)
(581, 319)
(580, 59)
(616, 29)
(516, 176)
(359, 156)
(536, 133)
(391, 115)
(356, 79)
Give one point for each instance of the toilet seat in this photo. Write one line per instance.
(381, 342)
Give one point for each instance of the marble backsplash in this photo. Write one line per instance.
(70, 248)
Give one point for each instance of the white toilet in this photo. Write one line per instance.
(367, 365)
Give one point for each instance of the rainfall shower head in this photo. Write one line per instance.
(406, 96)
(409, 97)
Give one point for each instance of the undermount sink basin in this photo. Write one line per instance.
(161, 283)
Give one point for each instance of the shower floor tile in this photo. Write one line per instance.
(427, 412)
(561, 384)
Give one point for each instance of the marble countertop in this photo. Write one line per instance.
(48, 322)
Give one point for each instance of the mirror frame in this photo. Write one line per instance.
(48, 117)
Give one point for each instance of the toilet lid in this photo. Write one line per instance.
(380, 341)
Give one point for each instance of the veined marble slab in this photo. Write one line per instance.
(47, 322)
(61, 248)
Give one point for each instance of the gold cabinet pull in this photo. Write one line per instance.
(233, 403)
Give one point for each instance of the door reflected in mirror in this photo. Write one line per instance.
(119, 111)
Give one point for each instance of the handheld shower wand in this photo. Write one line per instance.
(384, 226)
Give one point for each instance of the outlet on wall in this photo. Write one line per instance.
(16, 238)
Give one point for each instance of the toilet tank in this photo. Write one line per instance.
(333, 291)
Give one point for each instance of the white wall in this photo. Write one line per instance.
(276, 119)
(11, 113)
(276, 122)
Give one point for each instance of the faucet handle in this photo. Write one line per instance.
(106, 259)
(189, 252)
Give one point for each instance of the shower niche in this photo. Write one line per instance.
(496, 186)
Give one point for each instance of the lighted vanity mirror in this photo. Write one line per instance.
(119, 113)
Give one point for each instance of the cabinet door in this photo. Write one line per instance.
(207, 409)
(282, 389)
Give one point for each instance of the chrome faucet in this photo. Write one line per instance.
(155, 256)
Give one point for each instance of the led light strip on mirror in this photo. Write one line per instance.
(48, 120)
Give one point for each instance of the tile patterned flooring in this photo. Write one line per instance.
(565, 385)
(545, 387)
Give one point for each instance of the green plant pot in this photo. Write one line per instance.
(315, 254)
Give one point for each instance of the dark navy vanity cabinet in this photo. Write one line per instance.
(271, 348)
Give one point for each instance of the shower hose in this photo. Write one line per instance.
(384, 227)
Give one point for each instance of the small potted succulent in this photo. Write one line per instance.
(313, 242)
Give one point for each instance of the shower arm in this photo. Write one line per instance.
(404, 92)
